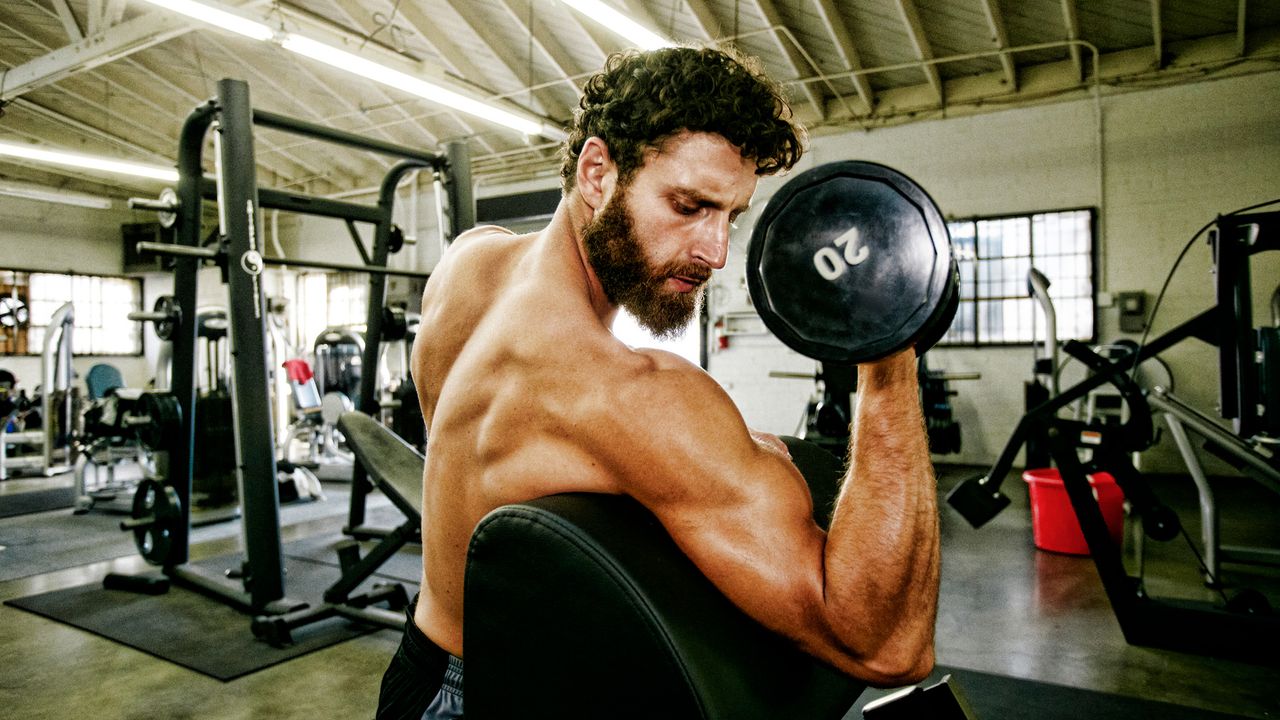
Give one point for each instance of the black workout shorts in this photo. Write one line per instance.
(423, 681)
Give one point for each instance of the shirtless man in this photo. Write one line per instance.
(526, 393)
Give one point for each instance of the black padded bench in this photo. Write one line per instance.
(395, 468)
(581, 606)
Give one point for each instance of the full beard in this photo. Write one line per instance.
(630, 281)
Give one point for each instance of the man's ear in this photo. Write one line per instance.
(596, 173)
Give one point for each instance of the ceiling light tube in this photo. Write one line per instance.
(621, 24)
(28, 191)
(368, 69)
(88, 162)
(218, 18)
(228, 19)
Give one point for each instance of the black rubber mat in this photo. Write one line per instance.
(997, 696)
(192, 630)
(34, 501)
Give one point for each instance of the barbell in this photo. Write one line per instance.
(851, 262)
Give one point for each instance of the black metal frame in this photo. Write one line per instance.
(1179, 625)
(239, 199)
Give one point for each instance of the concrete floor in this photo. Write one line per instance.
(1006, 608)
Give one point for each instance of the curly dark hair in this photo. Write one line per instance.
(640, 99)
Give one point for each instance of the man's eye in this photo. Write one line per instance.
(685, 209)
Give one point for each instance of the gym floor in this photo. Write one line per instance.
(1006, 608)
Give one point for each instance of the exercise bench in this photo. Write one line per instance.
(395, 468)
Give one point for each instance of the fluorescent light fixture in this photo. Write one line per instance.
(88, 162)
(28, 191)
(353, 63)
(621, 24)
(218, 18)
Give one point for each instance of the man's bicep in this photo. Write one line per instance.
(740, 510)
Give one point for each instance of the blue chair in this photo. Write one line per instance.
(102, 379)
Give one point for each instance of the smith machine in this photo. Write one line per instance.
(161, 509)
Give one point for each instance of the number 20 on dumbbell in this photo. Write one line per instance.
(831, 262)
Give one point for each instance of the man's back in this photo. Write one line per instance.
(507, 360)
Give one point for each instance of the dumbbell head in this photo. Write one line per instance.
(851, 262)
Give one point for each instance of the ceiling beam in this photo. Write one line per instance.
(924, 51)
(466, 69)
(69, 22)
(455, 61)
(1242, 15)
(847, 50)
(480, 25)
(94, 19)
(113, 13)
(1000, 37)
(327, 87)
(83, 128)
(350, 12)
(594, 37)
(324, 30)
(159, 82)
(519, 11)
(705, 19)
(1157, 32)
(134, 92)
(1072, 23)
(795, 59)
(93, 51)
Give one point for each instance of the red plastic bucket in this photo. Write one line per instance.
(1053, 521)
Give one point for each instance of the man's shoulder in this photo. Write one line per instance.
(661, 379)
(482, 231)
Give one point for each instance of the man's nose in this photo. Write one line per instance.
(713, 246)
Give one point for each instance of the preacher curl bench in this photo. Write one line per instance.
(581, 606)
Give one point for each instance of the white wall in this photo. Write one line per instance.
(1171, 160)
(37, 235)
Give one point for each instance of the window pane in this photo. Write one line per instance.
(100, 305)
(995, 256)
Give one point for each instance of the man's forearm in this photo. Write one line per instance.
(881, 559)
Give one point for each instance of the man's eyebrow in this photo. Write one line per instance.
(697, 197)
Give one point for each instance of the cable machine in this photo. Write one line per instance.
(1242, 626)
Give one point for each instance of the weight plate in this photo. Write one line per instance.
(945, 314)
(168, 218)
(164, 420)
(168, 325)
(851, 262)
(395, 239)
(157, 504)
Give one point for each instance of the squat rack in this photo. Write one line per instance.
(240, 254)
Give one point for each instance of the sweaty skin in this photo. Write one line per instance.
(526, 393)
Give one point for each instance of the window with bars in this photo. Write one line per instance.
(995, 256)
(101, 304)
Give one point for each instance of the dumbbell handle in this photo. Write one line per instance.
(149, 316)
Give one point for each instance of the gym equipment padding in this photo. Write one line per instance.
(581, 606)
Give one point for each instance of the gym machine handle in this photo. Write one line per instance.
(148, 316)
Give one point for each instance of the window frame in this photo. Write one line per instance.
(978, 341)
(37, 349)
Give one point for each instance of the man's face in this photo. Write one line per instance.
(657, 239)
(631, 281)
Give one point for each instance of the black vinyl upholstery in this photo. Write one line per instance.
(581, 606)
(393, 465)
